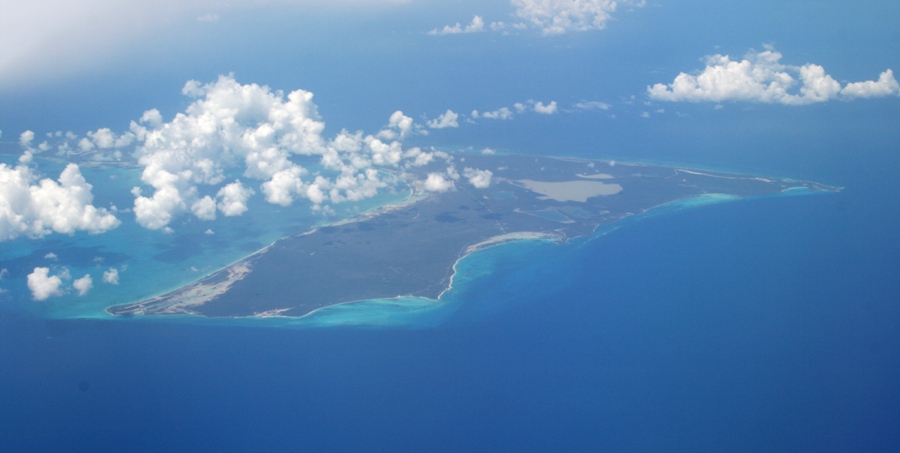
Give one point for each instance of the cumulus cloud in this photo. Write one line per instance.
(83, 285)
(886, 85)
(548, 109)
(436, 182)
(204, 208)
(448, 119)
(761, 77)
(43, 285)
(233, 199)
(266, 136)
(476, 26)
(33, 208)
(111, 277)
(481, 179)
(26, 138)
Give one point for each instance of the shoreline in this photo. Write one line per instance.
(413, 197)
(213, 285)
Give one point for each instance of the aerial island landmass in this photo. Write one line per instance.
(410, 249)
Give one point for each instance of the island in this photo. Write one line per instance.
(411, 249)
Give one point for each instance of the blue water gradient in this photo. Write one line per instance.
(759, 325)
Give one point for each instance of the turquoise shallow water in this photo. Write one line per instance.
(150, 262)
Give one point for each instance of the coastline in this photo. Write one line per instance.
(501, 205)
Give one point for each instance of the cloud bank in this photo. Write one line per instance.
(265, 135)
(761, 77)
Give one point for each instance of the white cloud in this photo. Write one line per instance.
(283, 187)
(436, 182)
(36, 208)
(554, 17)
(204, 208)
(885, 86)
(83, 284)
(551, 17)
(448, 119)
(503, 113)
(548, 109)
(111, 276)
(51, 256)
(476, 26)
(592, 105)
(230, 127)
(230, 130)
(43, 285)
(761, 77)
(481, 179)
(399, 126)
(26, 138)
(233, 199)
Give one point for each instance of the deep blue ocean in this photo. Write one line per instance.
(757, 325)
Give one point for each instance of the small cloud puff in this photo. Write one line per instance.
(233, 199)
(448, 119)
(476, 26)
(548, 109)
(111, 277)
(43, 285)
(760, 77)
(436, 182)
(592, 105)
(503, 113)
(83, 285)
(481, 179)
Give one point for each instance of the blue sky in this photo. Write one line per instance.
(766, 86)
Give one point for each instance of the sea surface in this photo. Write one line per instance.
(766, 324)
(756, 325)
